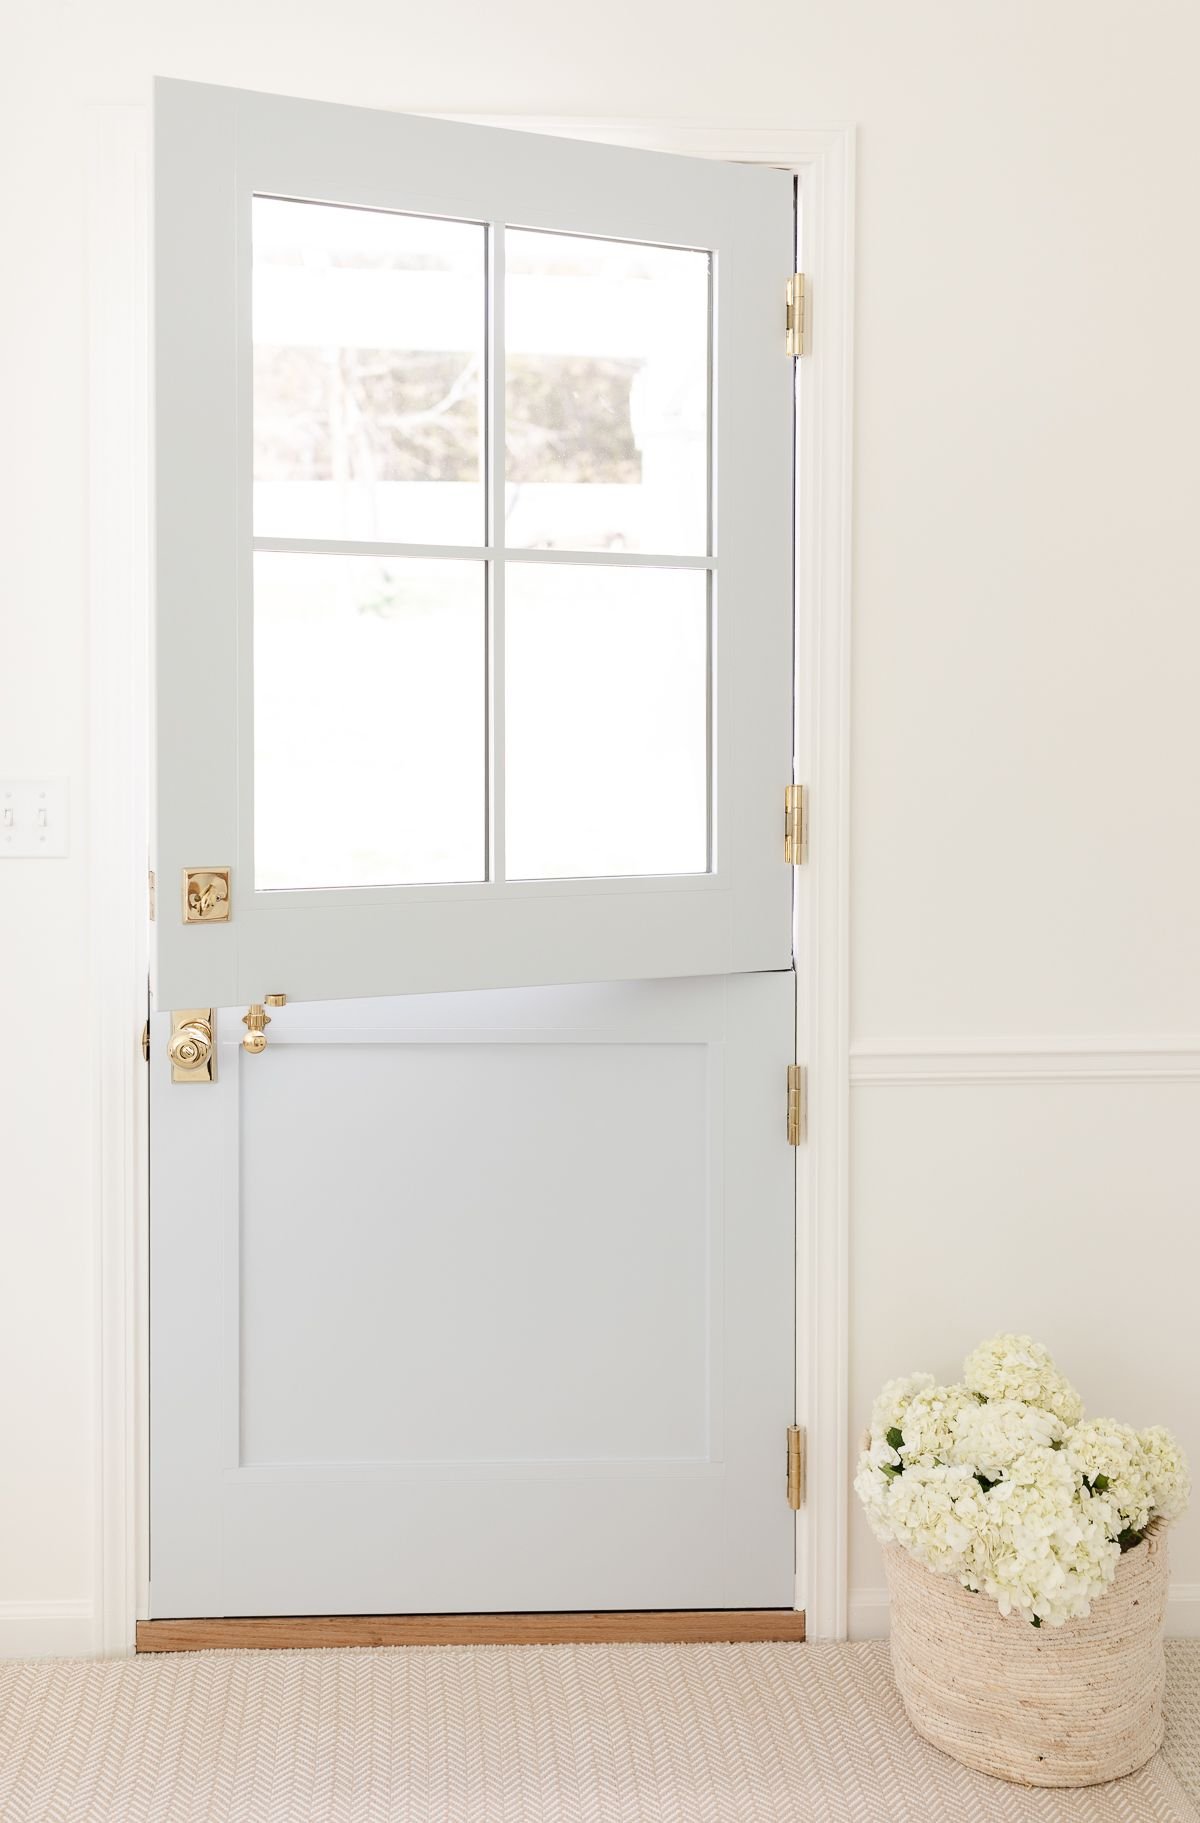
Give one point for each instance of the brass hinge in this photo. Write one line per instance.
(797, 315)
(795, 824)
(150, 892)
(146, 1042)
(797, 1097)
(795, 1467)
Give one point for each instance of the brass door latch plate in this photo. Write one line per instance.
(206, 895)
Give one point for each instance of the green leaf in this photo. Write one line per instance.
(984, 1483)
(1037, 1620)
(1100, 1484)
(896, 1438)
(1128, 1538)
(889, 1468)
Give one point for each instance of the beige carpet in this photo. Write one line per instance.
(539, 1734)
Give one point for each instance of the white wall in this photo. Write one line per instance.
(1026, 648)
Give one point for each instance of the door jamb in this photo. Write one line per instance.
(120, 628)
(118, 618)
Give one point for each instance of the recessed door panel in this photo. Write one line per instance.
(400, 1260)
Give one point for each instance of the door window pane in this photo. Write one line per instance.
(369, 719)
(606, 395)
(368, 374)
(606, 721)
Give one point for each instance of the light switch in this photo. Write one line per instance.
(33, 818)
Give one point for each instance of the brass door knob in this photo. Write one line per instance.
(190, 1045)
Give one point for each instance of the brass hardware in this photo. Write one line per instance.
(797, 315)
(795, 825)
(797, 1099)
(206, 895)
(256, 1019)
(146, 1042)
(190, 1047)
(795, 1467)
(151, 892)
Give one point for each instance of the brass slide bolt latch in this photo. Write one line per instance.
(256, 1019)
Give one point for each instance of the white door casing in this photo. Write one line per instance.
(215, 151)
(477, 1301)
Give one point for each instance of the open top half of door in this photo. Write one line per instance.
(473, 556)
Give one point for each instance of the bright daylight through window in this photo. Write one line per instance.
(420, 625)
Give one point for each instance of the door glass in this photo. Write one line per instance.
(368, 374)
(375, 675)
(369, 721)
(606, 717)
(607, 390)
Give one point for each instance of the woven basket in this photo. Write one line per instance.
(1070, 1705)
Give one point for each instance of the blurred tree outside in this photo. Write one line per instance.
(377, 415)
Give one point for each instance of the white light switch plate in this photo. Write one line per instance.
(33, 818)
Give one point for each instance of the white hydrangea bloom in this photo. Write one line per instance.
(882, 1457)
(935, 1511)
(1168, 1470)
(1110, 1459)
(888, 1411)
(1017, 1367)
(1039, 1554)
(872, 1487)
(929, 1423)
(990, 1437)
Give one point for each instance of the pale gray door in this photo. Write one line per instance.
(473, 1288)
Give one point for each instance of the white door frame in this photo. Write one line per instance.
(120, 629)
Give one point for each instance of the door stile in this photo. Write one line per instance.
(495, 502)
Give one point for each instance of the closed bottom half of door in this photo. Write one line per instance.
(476, 1302)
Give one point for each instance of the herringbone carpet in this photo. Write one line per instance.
(534, 1734)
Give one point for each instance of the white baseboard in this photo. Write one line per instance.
(868, 1612)
(47, 1629)
(1183, 1611)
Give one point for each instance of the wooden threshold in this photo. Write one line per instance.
(671, 1626)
